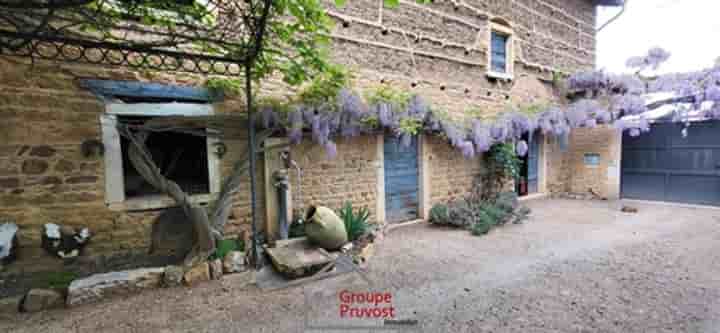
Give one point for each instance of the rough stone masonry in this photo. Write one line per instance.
(438, 51)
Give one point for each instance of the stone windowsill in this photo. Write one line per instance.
(500, 76)
(157, 202)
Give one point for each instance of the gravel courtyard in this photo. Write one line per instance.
(576, 266)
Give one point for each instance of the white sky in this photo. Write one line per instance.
(688, 29)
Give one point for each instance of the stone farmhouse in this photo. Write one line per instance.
(62, 160)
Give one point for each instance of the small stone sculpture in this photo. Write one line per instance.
(64, 242)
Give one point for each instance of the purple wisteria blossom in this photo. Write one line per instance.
(467, 149)
(712, 93)
(603, 116)
(655, 57)
(330, 149)
(627, 84)
(417, 108)
(630, 105)
(385, 114)
(454, 135)
(590, 123)
(519, 124)
(578, 113)
(481, 137)
(608, 98)
(521, 148)
(499, 131)
(268, 117)
(351, 104)
(588, 80)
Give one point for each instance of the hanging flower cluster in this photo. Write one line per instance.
(351, 115)
(608, 99)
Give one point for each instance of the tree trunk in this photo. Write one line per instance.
(205, 243)
(207, 226)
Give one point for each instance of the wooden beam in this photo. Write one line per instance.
(110, 88)
(274, 162)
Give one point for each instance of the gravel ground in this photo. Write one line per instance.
(576, 266)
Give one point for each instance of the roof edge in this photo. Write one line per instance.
(609, 3)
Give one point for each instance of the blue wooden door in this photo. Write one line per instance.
(401, 180)
(664, 165)
(533, 162)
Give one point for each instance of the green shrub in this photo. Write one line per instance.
(497, 214)
(507, 201)
(483, 224)
(297, 230)
(355, 224)
(478, 215)
(502, 164)
(521, 215)
(226, 245)
(462, 214)
(58, 280)
(440, 214)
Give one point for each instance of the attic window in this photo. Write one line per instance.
(500, 54)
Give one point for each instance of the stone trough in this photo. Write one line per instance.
(297, 257)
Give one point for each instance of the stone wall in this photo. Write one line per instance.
(452, 176)
(44, 177)
(604, 178)
(438, 51)
(351, 176)
(557, 173)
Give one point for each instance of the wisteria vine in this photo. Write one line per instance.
(597, 98)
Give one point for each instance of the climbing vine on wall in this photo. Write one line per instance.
(501, 164)
(597, 98)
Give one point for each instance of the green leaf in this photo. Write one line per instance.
(340, 3)
(391, 3)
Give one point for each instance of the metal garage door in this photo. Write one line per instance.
(401, 180)
(662, 165)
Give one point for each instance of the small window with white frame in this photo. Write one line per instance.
(501, 51)
(186, 159)
(181, 157)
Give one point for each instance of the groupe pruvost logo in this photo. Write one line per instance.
(366, 304)
(354, 305)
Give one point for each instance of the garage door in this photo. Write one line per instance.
(665, 166)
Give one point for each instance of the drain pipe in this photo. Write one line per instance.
(299, 180)
(281, 186)
(614, 18)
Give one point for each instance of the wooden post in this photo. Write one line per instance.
(274, 162)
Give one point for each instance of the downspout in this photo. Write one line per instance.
(281, 186)
(614, 18)
(253, 163)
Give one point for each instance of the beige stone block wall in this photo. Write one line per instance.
(44, 178)
(452, 175)
(442, 47)
(351, 176)
(557, 173)
(603, 179)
